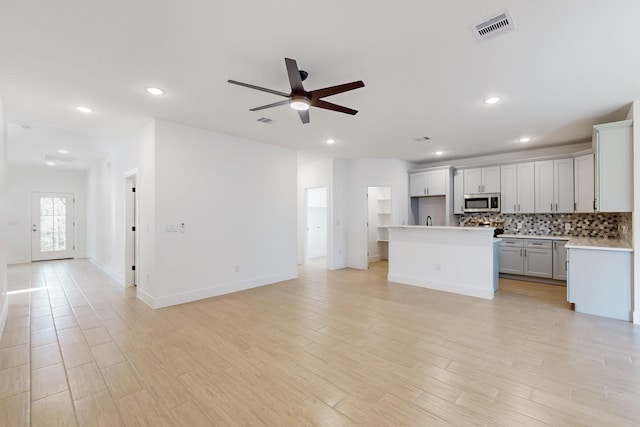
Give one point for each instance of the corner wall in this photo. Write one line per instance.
(635, 115)
(4, 300)
(237, 201)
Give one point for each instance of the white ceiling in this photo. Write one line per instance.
(569, 64)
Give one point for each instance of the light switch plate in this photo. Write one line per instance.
(519, 226)
(567, 227)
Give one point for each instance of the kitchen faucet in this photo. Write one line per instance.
(429, 220)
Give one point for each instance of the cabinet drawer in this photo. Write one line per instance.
(540, 244)
(514, 243)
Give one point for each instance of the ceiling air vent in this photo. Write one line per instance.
(265, 120)
(494, 27)
(421, 138)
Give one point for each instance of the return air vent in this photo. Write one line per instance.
(265, 120)
(421, 139)
(494, 27)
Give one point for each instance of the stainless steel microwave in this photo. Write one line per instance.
(482, 202)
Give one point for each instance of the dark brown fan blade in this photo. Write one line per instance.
(328, 91)
(275, 104)
(264, 89)
(294, 75)
(304, 115)
(335, 107)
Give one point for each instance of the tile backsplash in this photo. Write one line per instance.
(607, 225)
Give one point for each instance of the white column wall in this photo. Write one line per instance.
(4, 301)
(21, 182)
(237, 200)
(635, 115)
(373, 172)
(106, 207)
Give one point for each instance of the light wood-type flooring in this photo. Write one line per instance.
(331, 348)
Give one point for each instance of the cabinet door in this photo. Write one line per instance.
(472, 181)
(614, 167)
(458, 193)
(436, 182)
(417, 184)
(538, 262)
(508, 189)
(563, 185)
(583, 183)
(526, 187)
(511, 260)
(559, 260)
(544, 186)
(491, 179)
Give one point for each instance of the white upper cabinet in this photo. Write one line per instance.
(563, 185)
(526, 187)
(544, 186)
(554, 186)
(458, 193)
(612, 145)
(517, 188)
(429, 183)
(482, 180)
(509, 189)
(583, 183)
(417, 184)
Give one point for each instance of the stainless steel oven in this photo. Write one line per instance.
(482, 202)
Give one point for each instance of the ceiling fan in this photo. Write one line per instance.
(299, 99)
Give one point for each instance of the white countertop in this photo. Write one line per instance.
(599, 244)
(437, 227)
(530, 236)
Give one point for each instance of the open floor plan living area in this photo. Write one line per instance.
(319, 214)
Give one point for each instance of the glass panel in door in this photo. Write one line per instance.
(52, 226)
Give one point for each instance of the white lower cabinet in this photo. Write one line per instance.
(559, 260)
(530, 257)
(599, 282)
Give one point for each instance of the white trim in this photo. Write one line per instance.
(4, 311)
(214, 291)
(422, 282)
(118, 278)
(636, 317)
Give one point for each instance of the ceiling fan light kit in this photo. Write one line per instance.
(299, 99)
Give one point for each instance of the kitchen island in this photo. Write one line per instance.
(461, 260)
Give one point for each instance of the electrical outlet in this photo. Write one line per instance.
(237, 269)
(437, 267)
(519, 226)
(567, 227)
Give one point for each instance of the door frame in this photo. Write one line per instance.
(306, 231)
(131, 234)
(70, 215)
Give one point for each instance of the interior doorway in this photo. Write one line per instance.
(130, 229)
(378, 219)
(317, 215)
(52, 226)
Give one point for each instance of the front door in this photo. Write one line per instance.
(52, 226)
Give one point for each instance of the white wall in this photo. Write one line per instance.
(634, 113)
(338, 215)
(4, 301)
(511, 156)
(365, 173)
(106, 208)
(21, 182)
(237, 200)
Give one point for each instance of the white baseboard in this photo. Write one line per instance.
(468, 290)
(375, 258)
(118, 278)
(213, 291)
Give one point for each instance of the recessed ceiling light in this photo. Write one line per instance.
(331, 141)
(439, 153)
(51, 163)
(491, 100)
(155, 91)
(84, 109)
(63, 151)
(525, 139)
